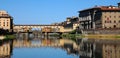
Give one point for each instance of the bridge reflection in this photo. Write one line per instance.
(6, 46)
(66, 44)
(34, 43)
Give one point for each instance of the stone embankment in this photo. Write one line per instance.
(101, 31)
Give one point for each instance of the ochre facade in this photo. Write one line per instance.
(100, 17)
(6, 21)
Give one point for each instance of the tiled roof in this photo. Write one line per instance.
(109, 8)
(103, 8)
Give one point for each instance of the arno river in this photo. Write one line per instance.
(37, 47)
(40, 49)
(57, 47)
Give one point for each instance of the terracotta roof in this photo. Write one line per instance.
(109, 8)
(103, 8)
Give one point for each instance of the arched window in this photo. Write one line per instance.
(105, 27)
(119, 21)
(105, 21)
(114, 21)
(114, 26)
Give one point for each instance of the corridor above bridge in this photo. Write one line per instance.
(30, 27)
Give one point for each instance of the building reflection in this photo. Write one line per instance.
(111, 50)
(89, 48)
(6, 48)
(66, 44)
(85, 48)
(100, 49)
(19, 43)
(50, 41)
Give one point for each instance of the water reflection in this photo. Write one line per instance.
(92, 48)
(47, 47)
(55, 47)
(37, 43)
(6, 48)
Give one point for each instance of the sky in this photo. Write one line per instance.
(48, 11)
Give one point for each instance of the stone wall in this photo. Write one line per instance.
(101, 31)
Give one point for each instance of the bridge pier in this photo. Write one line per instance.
(60, 33)
(23, 35)
(46, 35)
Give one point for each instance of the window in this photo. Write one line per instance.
(105, 16)
(7, 23)
(114, 21)
(105, 27)
(114, 26)
(119, 21)
(3, 23)
(105, 21)
(110, 16)
(114, 16)
(110, 21)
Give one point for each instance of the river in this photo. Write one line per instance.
(56, 47)
(23, 47)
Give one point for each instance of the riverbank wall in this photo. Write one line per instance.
(101, 31)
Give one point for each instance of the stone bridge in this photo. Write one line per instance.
(43, 28)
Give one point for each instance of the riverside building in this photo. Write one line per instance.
(6, 21)
(100, 17)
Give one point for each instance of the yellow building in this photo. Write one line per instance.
(100, 17)
(6, 21)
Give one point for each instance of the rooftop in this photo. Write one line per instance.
(103, 8)
(4, 14)
(109, 8)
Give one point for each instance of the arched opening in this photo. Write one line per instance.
(114, 26)
(105, 27)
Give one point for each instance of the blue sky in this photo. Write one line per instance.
(48, 11)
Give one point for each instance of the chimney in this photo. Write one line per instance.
(119, 4)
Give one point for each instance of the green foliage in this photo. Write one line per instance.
(73, 32)
(117, 36)
(9, 36)
(69, 36)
